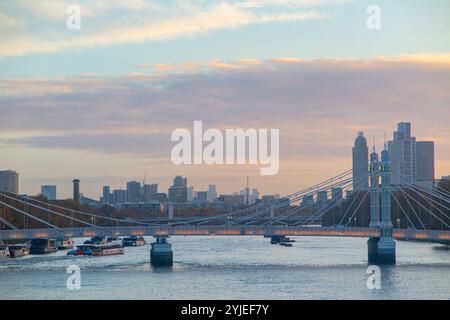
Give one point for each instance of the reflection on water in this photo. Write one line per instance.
(234, 267)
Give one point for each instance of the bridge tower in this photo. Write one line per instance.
(372, 243)
(386, 245)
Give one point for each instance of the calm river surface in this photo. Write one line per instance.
(235, 267)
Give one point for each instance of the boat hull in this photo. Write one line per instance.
(43, 250)
(108, 252)
(161, 259)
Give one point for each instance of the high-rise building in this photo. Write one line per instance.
(322, 199)
(411, 160)
(202, 196)
(403, 154)
(308, 200)
(119, 196)
(133, 191)
(255, 196)
(360, 163)
(107, 197)
(9, 181)
(150, 191)
(336, 195)
(49, 191)
(190, 193)
(425, 160)
(212, 193)
(76, 190)
(178, 191)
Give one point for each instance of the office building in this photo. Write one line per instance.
(118, 196)
(133, 192)
(9, 181)
(178, 191)
(425, 160)
(360, 163)
(107, 196)
(149, 192)
(411, 160)
(402, 150)
(49, 192)
(212, 193)
(202, 196)
(190, 193)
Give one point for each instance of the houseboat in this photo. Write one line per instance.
(96, 240)
(43, 246)
(101, 249)
(19, 250)
(82, 250)
(108, 249)
(133, 241)
(64, 243)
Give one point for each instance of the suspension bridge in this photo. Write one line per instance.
(416, 202)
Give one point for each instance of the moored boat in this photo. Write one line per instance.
(96, 240)
(133, 241)
(82, 250)
(19, 250)
(64, 243)
(43, 246)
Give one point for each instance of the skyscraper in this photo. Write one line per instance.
(403, 154)
(149, 192)
(118, 196)
(107, 197)
(133, 191)
(190, 193)
(360, 163)
(178, 191)
(425, 160)
(212, 193)
(9, 181)
(49, 192)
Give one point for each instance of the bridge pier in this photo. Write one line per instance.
(386, 251)
(372, 250)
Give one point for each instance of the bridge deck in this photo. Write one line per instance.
(425, 235)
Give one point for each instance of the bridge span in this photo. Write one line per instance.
(401, 234)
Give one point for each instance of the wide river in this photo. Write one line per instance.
(235, 267)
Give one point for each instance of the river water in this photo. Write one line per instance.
(235, 267)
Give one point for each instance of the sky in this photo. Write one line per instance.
(99, 103)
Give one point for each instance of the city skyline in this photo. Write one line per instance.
(134, 189)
